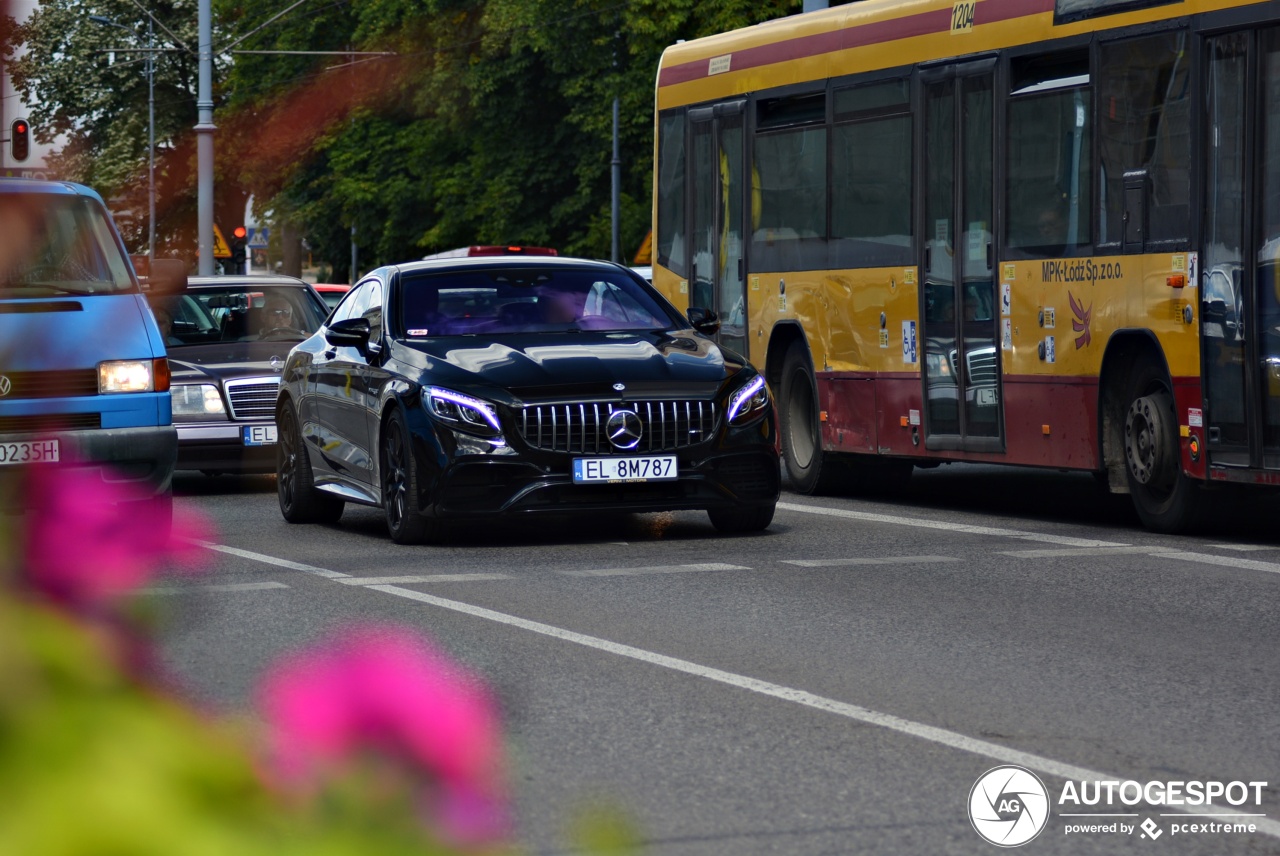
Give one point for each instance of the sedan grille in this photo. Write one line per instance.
(253, 397)
(580, 427)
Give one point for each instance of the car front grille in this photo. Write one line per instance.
(57, 384)
(253, 397)
(667, 425)
(52, 422)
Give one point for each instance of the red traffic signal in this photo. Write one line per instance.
(20, 139)
(240, 232)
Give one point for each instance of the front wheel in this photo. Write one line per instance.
(400, 486)
(1165, 499)
(740, 520)
(300, 502)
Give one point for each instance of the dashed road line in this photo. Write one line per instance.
(949, 526)
(1068, 552)
(272, 560)
(1244, 548)
(1225, 561)
(888, 560)
(421, 578)
(224, 587)
(657, 569)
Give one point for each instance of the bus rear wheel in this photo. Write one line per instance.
(1165, 499)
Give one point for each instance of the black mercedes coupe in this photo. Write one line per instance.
(473, 388)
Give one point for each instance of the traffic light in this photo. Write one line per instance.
(239, 240)
(20, 139)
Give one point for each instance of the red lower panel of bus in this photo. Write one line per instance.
(1048, 422)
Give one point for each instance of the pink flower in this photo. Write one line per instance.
(88, 542)
(385, 690)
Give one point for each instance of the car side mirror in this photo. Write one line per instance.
(353, 332)
(704, 321)
(162, 277)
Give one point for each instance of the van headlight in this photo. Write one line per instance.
(197, 399)
(125, 376)
(749, 402)
(465, 413)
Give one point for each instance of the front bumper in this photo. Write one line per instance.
(220, 446)
(142, 457)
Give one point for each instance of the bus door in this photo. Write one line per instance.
(717, 266)
(961, 359)
(1240, 257)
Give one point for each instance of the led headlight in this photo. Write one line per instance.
(192, 399)
(125, 376)
(749, 401)
(464, 413)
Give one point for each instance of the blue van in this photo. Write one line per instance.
(83, 372)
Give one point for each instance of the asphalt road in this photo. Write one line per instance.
(835, 685)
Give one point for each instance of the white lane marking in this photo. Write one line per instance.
(272, 560)
(1226, 561)
(888, 560)
(949, 526)
(1078, 551)
(421, 578)
(1243, 548)
(223, 587)
(941, 736)
(657, 569)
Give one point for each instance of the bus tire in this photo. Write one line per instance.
(1165, 499)
(810, 469)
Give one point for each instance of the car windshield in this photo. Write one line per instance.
(506, 300)
(241, 313)
(56, 245)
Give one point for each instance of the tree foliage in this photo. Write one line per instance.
(491, 123)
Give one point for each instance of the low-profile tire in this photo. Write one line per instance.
(1165, 499)
(755, 518)
(400, 486)
(300, 502)
(810, 469)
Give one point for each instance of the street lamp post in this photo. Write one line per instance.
(151, 125)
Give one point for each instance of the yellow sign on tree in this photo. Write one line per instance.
(221, 249)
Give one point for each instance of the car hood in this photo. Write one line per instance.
(226, 361)
(578, 363)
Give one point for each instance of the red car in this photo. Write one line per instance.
(331, 292)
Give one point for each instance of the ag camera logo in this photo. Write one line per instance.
(1008, 806)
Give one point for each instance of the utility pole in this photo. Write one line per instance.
(204, 141)
(616, 254)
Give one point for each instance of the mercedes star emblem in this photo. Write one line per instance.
(276, 364)
(619, 386)
(623, 429)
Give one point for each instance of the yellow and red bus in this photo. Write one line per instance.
(1037, 232)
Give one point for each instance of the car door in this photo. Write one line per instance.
(339, 431)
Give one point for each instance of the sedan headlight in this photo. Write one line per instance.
(197, 399)
(126, 376)
(465, 413)
(750, 401)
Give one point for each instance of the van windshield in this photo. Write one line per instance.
(52, 245)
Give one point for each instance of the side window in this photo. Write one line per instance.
(371, 309)
(788, 182)
(671, 190)
(871, 176)
(351, 305)
(1049, 183)
(1143, 129)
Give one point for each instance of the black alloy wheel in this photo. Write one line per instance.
(400, 486)
(755, 518)
(300, 502)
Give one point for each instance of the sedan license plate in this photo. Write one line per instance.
(259, 435)
(29, 452)
(636, 469)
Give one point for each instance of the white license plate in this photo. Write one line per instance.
(29, 452)
(259, 435)
(632, 469)
(986, 396)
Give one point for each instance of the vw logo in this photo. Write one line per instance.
(5, 385)
(623, 429)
